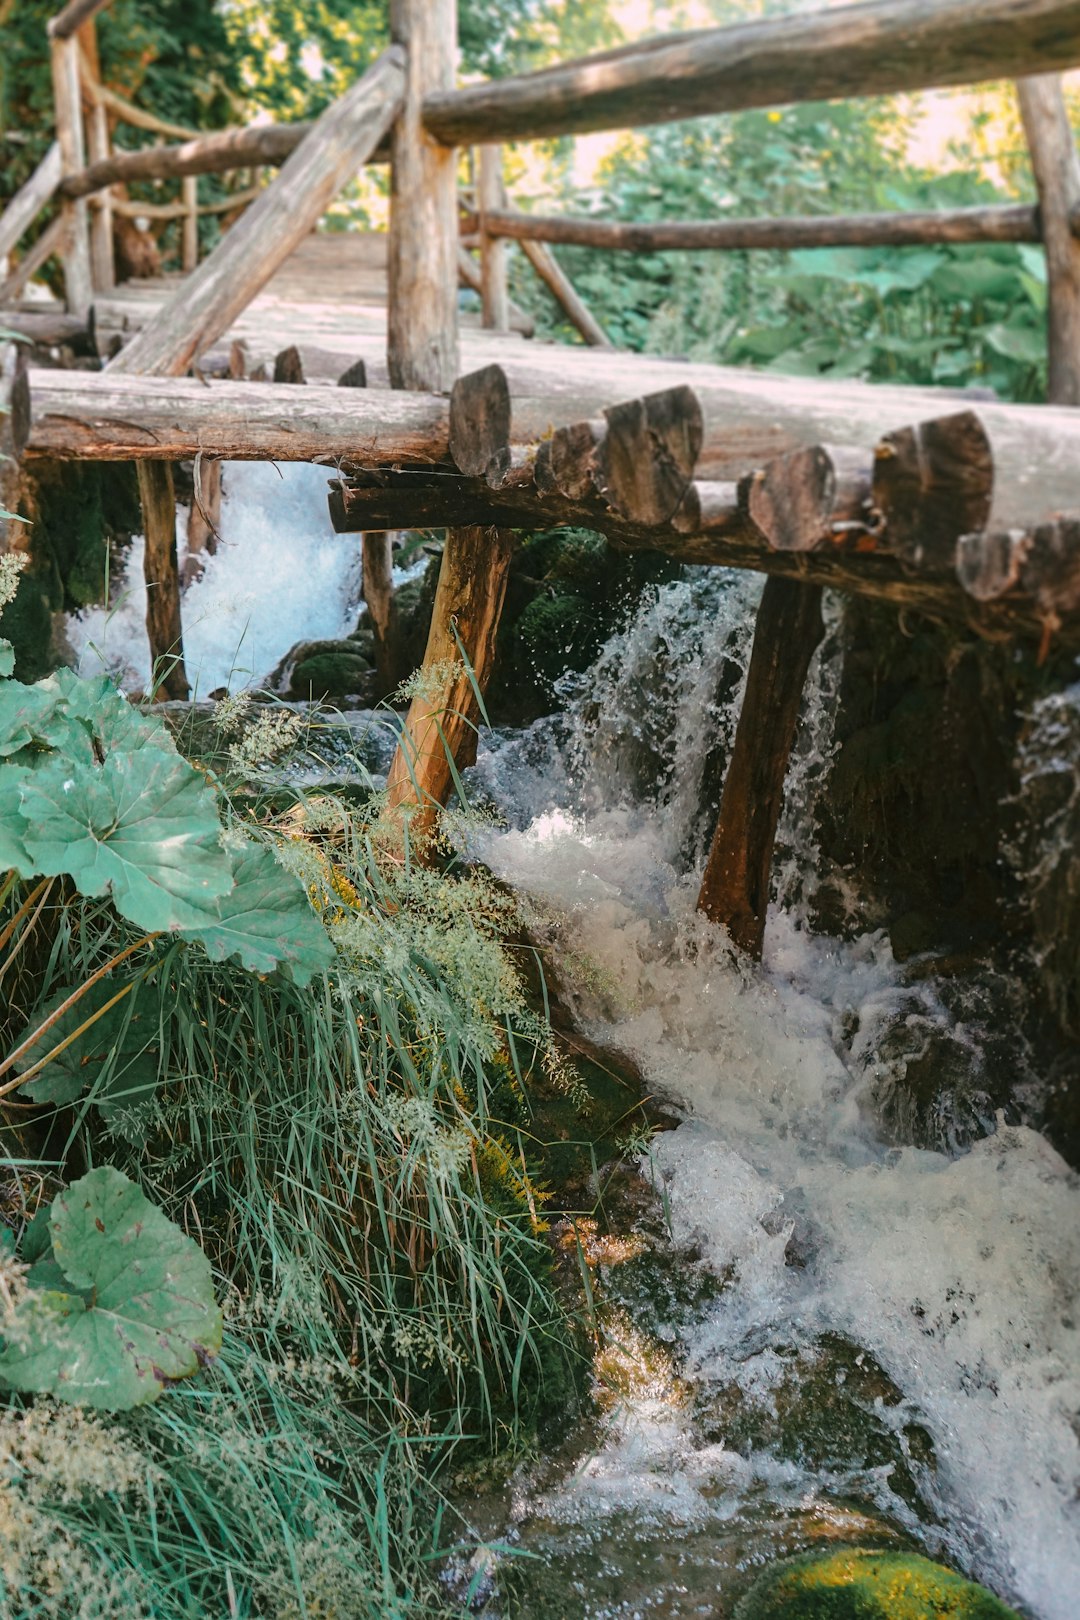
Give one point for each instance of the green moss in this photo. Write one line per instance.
(860, 1584)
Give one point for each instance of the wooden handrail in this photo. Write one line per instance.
(216, 153)
(128, 209)
(876, 48)
(101, 96)
(998, 223)
(75, 13)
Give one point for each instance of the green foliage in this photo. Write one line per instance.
(860, 1584)
(121, 1306)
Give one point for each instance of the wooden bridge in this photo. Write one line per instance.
(965, 509)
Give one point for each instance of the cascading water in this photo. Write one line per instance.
(935, 1292)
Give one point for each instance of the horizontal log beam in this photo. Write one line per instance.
(872, 49)
(1008, 223)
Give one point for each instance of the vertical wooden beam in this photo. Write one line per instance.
(102, 254)
(14, 431)
(441, 725)
(167, 677)
(422, 326)
(735, 888)
(564, 292)
(67, 98)
(495, 291)
(204, 520)
(377, 558)
(189, 249)
(1057, 176)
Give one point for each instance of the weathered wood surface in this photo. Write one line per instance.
(859, 50)
(422, 325)
(102, 251)
(1054, 159)
(67, 101)
(158, 497)
(495, 288)
(1007, 223)
(67, 22)
(441, 722)
(735, 887)
(217, 153)
(30, 199)
(49, 328)
(284, 213)
(377, 565)
(566, 295)
(204, 520)
(14, 428)
(54, 239)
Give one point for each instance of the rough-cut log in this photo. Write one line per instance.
(14, 428)
(67, 99)
(189, 232)
(288, 366)
(1042, 565)
(480, 420)
(441, 723)
(158, 498)
(859, 50)
(422, 323)
(102, 252)
(495, 291)
(1057, 175)
(30, 199)
(243, 262)
(562, 289)
(354, 376)
(204, 522)
(377, 561)
(573, 457)
(1009, 223)
(796, 502)
(55, 238)
(49, 329)
(645, 461)
(933, 483)
(67, 22)
(709, 508)
(735, 887)
(225, 149)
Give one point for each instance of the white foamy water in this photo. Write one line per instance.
(280, 575)
(958, 1275)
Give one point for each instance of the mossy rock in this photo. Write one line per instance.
(857, 1583)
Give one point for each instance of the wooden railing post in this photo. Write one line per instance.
(67, 97)
(102, 255)
(422, 323)
(189, 249)
(495, 292)
(1057, 177)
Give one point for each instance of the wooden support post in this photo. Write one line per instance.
(441, 723)
(189, 245)
(422, 321)
(67, 97)
(158, 496)
(735, 888)
(565, 294)
(1057, 177)
(204, 522)
(211, 298)
(14, 431)
(377, 558)
(495, 293)
(102, 252)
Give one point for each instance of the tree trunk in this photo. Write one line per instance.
(67, 97)
(1057, 175)
(735, 888)
(158, 499)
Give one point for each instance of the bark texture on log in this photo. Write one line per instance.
(1057, 175)
(243, 262)
(480, 420)
(441, 723)
(735, 887)
(158, 497)
(933, 483)
(225, 149)
(645, 460)
(797, 501)
(30, 199)
(1009, 223)
(872, 49)
(422, 322)
(288, 366)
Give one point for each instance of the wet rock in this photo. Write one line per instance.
(327, 670)
(859, 1583)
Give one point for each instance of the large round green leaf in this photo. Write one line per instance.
(118, 1054)
(266, 920)
(124, 1306)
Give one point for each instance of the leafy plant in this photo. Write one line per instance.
(119, 1303)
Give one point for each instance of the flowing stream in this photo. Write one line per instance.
(929, 1295)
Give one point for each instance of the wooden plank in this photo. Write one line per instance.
(735, 887)
(562, 289)
(872, 49)
(1057, 175)
(67, 22)
(422, 325)
(442, 720)
(78, 278)
(495, 290)
(246, 258)
(1009, 223)
(30, 199)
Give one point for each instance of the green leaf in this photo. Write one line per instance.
(14, 854)
(7, 652)
(1022, 343)
(142, 826)
(266, 920)
(90, 717)
(23, 711)
(136, 1310)
(117, 1054)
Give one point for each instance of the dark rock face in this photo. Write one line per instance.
(331, 671)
